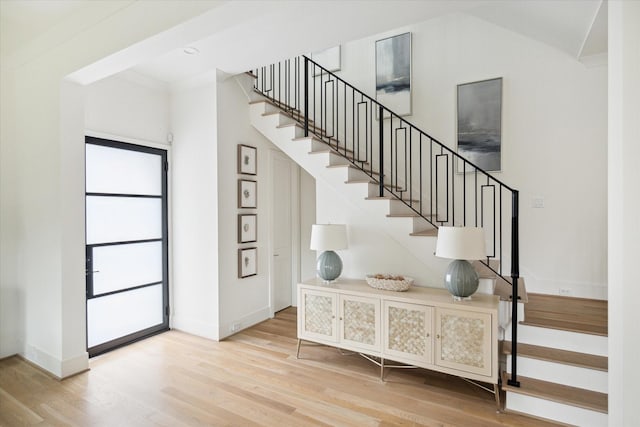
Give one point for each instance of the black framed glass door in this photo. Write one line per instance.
(126, 243)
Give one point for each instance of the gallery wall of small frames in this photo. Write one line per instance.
(247, 217)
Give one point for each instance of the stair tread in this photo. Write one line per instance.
(574, 314)
(560, 393)
(560, 303)
(567, 326)
(361, 181)
(349, 165)
(565, 357)
(425, 233)
(392, 198)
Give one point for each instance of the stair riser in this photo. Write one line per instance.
(331, 159)
(589, 379)
(555, 411)
(420, 224)
(563, 340)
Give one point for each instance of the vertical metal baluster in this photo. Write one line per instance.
(494, 216)
(431, 168)
(464, 193)
(501, 259)
(475, 171)
(446, 184)
(344, 108)
(420, 184)
(381, 150)
(306, 97)
(410, 169)
(453, 190)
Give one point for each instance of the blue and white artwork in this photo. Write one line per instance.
(479, 123)
(393, 73)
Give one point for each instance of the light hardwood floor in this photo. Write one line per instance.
(251, 379)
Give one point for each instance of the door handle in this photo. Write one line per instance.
(87, 272)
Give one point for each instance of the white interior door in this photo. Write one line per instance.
(126, 243)
(283, 223)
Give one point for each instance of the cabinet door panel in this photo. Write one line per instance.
(408, 332)
(463, 341)
(360, 322)
(318, 315)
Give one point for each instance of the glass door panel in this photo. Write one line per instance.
(119, 219)
(124, 313)
(136, 174)
(118, 267)
(126, 243)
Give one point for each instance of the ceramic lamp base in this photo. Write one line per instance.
(329, 266)
(461, 279)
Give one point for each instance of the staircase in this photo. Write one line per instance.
(562, 361)
(412, 184)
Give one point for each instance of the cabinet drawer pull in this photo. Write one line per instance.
(428, 334)
(438, 336)
(341, 318)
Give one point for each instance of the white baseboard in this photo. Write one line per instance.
(58, 368)
(230, 328)
(195, 327)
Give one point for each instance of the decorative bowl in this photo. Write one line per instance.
(389, 282)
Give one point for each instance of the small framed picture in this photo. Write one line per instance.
(247, 262)
(247, 194)
(247, 160)
(247, 228)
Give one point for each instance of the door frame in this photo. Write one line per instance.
(164, 152)
(295, 227)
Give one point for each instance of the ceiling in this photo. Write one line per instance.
(239, 35)
(567, 25)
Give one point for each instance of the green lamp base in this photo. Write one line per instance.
(461, 279)
(329, 266)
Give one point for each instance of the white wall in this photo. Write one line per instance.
(307, 218)
(42, 196)
(554, 136)
(128, 106)
(624, 212)
(195, 233)
(371, 249)
(242, 301)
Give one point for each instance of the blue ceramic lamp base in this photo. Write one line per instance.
(461, 279)
(329, 266)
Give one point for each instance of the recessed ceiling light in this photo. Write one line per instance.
(190, 50)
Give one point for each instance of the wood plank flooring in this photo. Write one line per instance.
(251, 379)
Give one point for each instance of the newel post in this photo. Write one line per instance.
(515, 274)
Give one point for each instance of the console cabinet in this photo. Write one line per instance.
(423, 327)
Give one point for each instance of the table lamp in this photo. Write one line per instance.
(328, 238)
(461, 244)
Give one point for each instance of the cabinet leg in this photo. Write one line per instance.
(381, 369)
(298, 349)
(496, 392)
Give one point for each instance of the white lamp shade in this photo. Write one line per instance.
(461, 243)
(328, 237)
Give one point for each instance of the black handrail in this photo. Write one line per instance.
(395, 159)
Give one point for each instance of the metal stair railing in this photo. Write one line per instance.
(406, 163)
